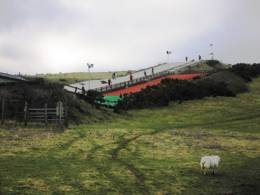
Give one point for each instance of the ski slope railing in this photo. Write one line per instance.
(147, 78)
(121, 85)
(132, 82)
(73, 89)
(139, 80)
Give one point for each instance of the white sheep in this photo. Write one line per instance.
(209, 162)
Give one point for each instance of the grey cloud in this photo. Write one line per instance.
(61, 35)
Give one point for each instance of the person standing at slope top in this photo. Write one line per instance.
(131, 77)
(113, 75)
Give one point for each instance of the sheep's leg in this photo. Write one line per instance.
(213, 171)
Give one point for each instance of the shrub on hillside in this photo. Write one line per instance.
(256, 68)
(212, 63)
(246, 71)
(39, 92)
(228, 82)
(36, 93)
(234, 83)
(209, 87)
(152, 96)
(174, 90)
(93, 96)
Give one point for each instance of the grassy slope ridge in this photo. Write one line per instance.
(79, 76)
(146, 152)
(207, 66)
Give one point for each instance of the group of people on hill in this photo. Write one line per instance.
(131, 77)
(187, 59)
(145, 74)
(113, 77)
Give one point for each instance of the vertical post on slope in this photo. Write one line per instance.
(168, 55)
(46, 114)
(59, 113)
(89, 66)
(25, 113)
(66, 119)
(3, 111)
(15, 115)
(211, 51)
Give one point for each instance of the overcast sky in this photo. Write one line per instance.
(40, 36)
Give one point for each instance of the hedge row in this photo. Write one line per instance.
(229, 82)
(246, 71)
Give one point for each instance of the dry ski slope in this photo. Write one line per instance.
(95, 84)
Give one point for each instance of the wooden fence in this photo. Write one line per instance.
(45, 115)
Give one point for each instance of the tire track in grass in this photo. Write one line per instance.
(105, 166)
(122, 144)
(100, 167)
(140, 178)
(96, 148)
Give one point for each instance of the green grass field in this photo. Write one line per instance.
(75, 77)
(143, 152)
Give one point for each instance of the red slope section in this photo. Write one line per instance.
(139, 87)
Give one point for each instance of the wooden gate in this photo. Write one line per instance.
(45, 115)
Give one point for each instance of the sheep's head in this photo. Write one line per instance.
(202, 165)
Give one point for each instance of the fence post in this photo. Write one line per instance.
(3, 111)
(66, 119)
(25, 113)
(46, 114)
(59, 112)
(15, 115)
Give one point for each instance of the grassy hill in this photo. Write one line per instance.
(207, 66)
(69, 78)
(144, 152)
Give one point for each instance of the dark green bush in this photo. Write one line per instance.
(227, 82)
(212, 63)
(174, 90)
(39, 92)
(234, 83)
(246, 71)
(93, 96)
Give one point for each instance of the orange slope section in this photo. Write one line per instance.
(139, 87)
